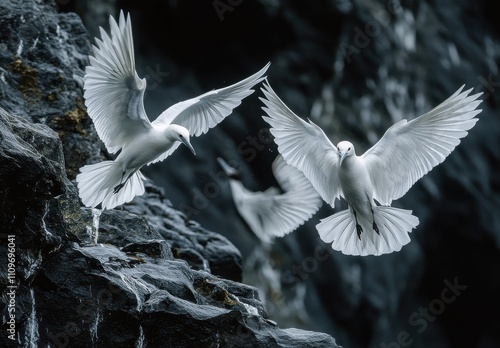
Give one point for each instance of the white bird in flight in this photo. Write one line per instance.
(114, 96)
(271, 213)
(407, 151)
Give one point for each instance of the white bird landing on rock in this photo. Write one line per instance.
(114, 97)
(406, 152)
(271, 213)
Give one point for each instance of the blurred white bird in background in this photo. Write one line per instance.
(114, 96)
(272, 213)
(407, 151)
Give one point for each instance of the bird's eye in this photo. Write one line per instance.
(180, 136)
(349, 149)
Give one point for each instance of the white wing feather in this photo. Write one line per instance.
(200, 114)
(304, 146)
(409, 150)
(113, 91)
(274, 214)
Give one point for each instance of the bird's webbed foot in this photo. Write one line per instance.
(118, 188)
(375, 227)
(359, 230)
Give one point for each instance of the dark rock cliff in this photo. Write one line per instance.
(140, 276)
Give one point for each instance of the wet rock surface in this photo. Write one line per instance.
(143, 275)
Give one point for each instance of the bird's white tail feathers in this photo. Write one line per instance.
(393, 224)
(96, 184)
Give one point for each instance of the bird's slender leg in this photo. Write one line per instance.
(375, 227)
(120, 186)
(359, 229)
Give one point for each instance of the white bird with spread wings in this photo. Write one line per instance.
(114, 96)
(272, 213)
(407, 151)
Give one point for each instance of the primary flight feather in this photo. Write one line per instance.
(114, 96)
(407, 151)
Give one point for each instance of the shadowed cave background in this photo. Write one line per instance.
(353, 67)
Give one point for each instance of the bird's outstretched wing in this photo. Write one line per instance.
(272, 213)
(114, 92)
(409, 150)
(304, 146)
(297, 204)
(200, 114)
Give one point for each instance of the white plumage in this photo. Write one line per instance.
(114, 96)
(271, 213)
(407, 151)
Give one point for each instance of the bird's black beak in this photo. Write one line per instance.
(188, 144)
(341, 157)
(230, 171)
